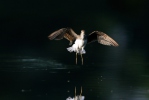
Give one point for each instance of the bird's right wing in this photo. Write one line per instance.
(67, 33)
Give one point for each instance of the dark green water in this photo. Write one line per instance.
(43, 78)
(34, 68)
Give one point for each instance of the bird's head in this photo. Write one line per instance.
(82, 31)
(82, 34)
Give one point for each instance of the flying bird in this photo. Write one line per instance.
(81, 40)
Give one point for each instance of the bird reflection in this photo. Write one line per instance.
(78, 97)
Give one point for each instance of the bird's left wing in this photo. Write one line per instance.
(102, 38)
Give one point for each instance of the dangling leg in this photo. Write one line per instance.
(76, 57)
(82, 59)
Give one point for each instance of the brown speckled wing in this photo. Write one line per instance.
(57, 35)
(70, 35)
(67, 33)
(102, 38)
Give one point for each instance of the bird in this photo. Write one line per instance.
(80, 41)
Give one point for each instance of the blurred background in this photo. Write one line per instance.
(34, 68)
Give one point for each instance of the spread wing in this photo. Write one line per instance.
(101, 38)
(67, 33)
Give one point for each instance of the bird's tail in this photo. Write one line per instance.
(71, 49)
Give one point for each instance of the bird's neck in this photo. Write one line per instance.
(82, 35)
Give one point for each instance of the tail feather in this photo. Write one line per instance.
(70, 49)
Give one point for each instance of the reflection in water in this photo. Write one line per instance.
(31, 78)
(33, 63)
(26, 90)
(77, 97)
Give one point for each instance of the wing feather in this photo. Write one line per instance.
(102, 38)
(66, 33)
(57, 35)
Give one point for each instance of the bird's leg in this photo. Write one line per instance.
(82, 59)
(75, 92)
(81, 91)
(76, 57)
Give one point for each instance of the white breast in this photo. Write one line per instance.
(80, 43)
(78, 47)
